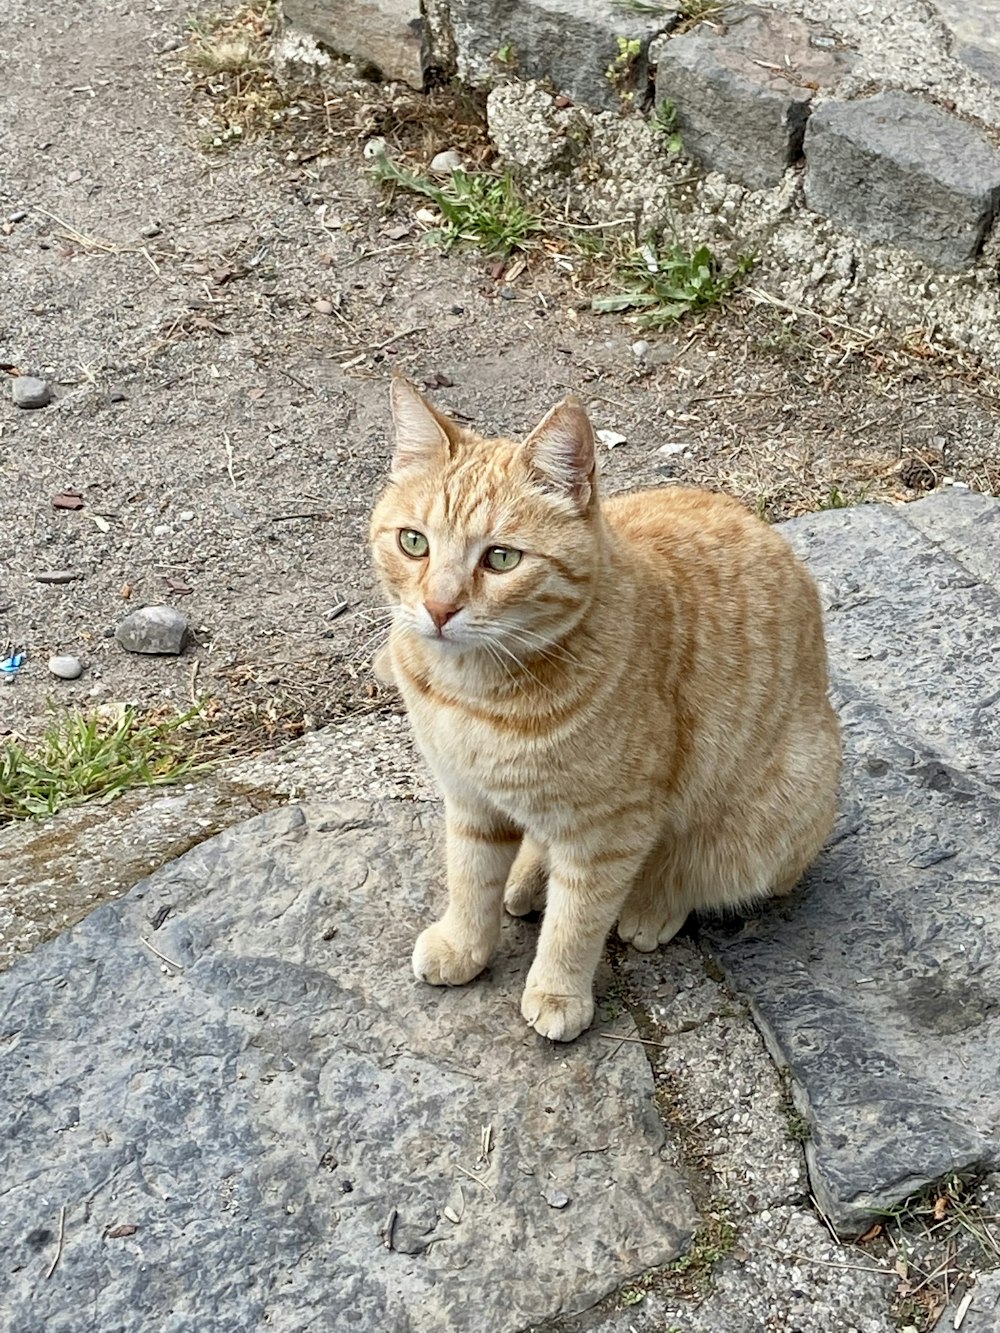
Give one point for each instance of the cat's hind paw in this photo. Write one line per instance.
(558, 1017)
(442, 960)
(648, 927)
(527, 881)
(526, 893)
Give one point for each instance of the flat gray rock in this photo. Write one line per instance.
(280, 1128)
(878, 983)
(28, 391)
(154, 630)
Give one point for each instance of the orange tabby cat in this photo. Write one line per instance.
(624, 703)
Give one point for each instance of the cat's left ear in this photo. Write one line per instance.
(560, 452)
(423, 435)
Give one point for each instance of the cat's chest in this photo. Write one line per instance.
(506, 765)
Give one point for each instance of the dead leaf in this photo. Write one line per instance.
(178, 587)
(67, 500)
(941, 1207)
(126, 591)
(126, 1229)
(870, 1234)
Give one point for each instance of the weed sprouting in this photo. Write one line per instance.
(663, 284)
(478, 207)
(664, 123)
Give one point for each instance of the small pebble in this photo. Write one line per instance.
(556, 1198)
(154, 629)
(457, 309)
(186, 515)
(117, 396)
(640, 349)
(611, 438)
(150, 229)
(374, 148)
(161, 530)
(445, 163)
(66, 668)
(74, 176)
(323, 307)
(19, 216)
(508, 293)
(669, 450)
(171, 44)
(58, 576)
(27, 391)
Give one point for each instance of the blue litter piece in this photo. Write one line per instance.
(10, 666)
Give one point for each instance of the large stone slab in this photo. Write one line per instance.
(878, 983)
(228, 1106)
(898, 171)
(742, 86)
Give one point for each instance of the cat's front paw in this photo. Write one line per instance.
(559, 1017)
(442, 958)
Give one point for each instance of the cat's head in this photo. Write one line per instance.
(489, 544)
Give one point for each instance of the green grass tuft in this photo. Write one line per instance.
(87, 756)
(476, 207)
(665, 284)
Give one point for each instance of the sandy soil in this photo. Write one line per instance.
(227, 438)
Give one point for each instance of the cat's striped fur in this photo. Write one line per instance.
(629, 724)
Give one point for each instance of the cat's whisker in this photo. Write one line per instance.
(543, 647)
(491, 649)
(494, 646)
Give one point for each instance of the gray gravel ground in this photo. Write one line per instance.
(227, 439)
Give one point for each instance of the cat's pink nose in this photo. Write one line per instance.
(441, 612)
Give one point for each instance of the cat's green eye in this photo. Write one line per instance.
(413, 543)
(501, 558)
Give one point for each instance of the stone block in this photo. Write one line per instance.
(570, 43)
(389, 34)
(743, 90)
(896, 171)
(975, 31)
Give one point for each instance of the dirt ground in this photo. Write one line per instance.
(228, 438)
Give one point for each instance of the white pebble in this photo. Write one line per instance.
(66, 668)
(444, 163)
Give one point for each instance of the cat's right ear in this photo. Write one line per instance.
(421, 433)
(561, 453)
